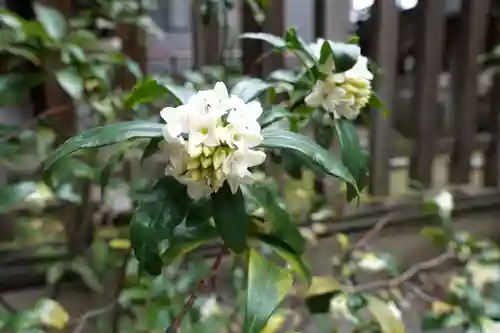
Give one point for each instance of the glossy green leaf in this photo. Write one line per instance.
(55, 272)
(105, 135)
(268, 285)
(231, 219)
(71, 82)
(389, 322)
(279, 222)
(273, 115)
(297, 44)
(154, 220)
(353, 155)
(10, 19)
(250, 88)
(151, 149)
(295, 261)
(186, 239)
(345, 55)
(308, 151)
(12, 196)
(151, 89)
(52, 20)
(275, 41)
(320, 293)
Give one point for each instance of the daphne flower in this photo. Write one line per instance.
(370, 262)
(339, 308)
(444, 201)
(490, 326)
(482, 274)
(342, 94)
(210, 140)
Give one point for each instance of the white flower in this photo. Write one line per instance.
(482, 274)
(209, 308)
(210, 140)
(370, 262)
(444, 201)
(342, 94)
(339, 308)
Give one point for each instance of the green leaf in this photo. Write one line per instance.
(103, 136)
(52, 20)
(273, 115)
(231, 219)
(320, 293)
(16, 87)
(71, 82)
(345, 55)
(12, 196)
(87, 274)
(377, 103)
(151, 89)
(108, 169)
(250, 88)
(55, 272)
(308, 151)
(353, 155)
(186, 239)
(279, 223)
(295, 261)
(152, 147)
(154, 220)
(275, 41)
(388, 321)
(268, 285)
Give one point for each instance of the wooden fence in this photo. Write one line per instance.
(464, 45)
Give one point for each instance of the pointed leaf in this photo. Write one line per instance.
(353, 155)
(151, 89)
(345, 55)
(295, 261)
(105, 135)
(275, 41)
(52, 20)
(308, 151)
(250, 88)
(71, 82)
(152, 147)
(273, 115)
(279, 222)
(268, 285)
(154, 220)
(108, 169)
(231, 218)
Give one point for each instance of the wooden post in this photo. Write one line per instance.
(251, 50)
(465, 72)
(207, 43)
(385, 55)
(431, 14)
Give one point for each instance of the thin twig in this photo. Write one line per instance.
(207, 281)
(411, 272)
(421, 293)
(91, 315)
(373, 232)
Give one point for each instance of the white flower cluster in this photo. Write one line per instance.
(341, 94)
(210, 140)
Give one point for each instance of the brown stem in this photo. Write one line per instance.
(411, 272)
(207, 281)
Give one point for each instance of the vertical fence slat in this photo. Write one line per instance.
(251, 50)
(206, 38)
(492, 152)
(273, 24)
(465, 71)
(431, 14)
(385, 54)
